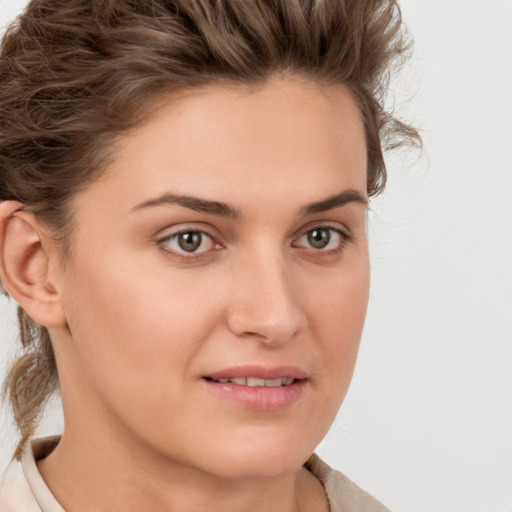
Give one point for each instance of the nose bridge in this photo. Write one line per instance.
(264, 299)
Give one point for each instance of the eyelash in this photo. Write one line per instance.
(344, 239)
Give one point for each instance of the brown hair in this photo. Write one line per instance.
(74, 74)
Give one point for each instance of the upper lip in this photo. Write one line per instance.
(260, 372)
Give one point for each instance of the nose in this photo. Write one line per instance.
(265, 300)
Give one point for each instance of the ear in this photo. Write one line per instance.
(24, 265)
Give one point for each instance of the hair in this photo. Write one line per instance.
(76, 74)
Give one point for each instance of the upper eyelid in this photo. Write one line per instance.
(335, 226)
(183, 230)
(346, 237)
(218, 237)
(171, 231)
(173, 235)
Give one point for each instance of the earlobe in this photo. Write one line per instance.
(24, 265)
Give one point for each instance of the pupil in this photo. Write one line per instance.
(319, 238)
(189, 241)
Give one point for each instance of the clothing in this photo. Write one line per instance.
(24, 490)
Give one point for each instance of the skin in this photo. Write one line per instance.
(138, 321)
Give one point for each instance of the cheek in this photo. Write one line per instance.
(339, 302)
(338, 313)
(136, 333)
(336, 307)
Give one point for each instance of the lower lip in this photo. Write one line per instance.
(260, 398)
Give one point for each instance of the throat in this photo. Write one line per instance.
(77, 486)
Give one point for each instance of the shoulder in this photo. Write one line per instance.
(22, 489)
(343, 494)
(15, 492)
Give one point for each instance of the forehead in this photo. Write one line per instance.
(242, 143)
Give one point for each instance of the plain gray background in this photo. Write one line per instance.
(427, 424)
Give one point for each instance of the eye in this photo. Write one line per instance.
(191, 242)
(323, 238)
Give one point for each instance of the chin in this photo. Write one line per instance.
(262, 459)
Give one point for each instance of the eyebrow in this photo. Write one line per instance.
(193, 203)
(335, 201)
(224, 210)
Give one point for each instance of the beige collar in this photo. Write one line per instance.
(38, 449)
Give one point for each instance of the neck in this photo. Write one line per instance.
(113, 478)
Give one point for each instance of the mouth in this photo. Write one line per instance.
(257, 388)
(254, 381)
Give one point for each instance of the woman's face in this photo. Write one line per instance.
(227, 241)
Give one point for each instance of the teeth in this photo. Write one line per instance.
(255, 381)
(274, 383)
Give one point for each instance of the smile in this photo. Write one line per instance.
(255, 381)
(258, 388)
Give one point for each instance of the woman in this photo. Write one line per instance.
(183, 224)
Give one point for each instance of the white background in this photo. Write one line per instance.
(427, 424)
